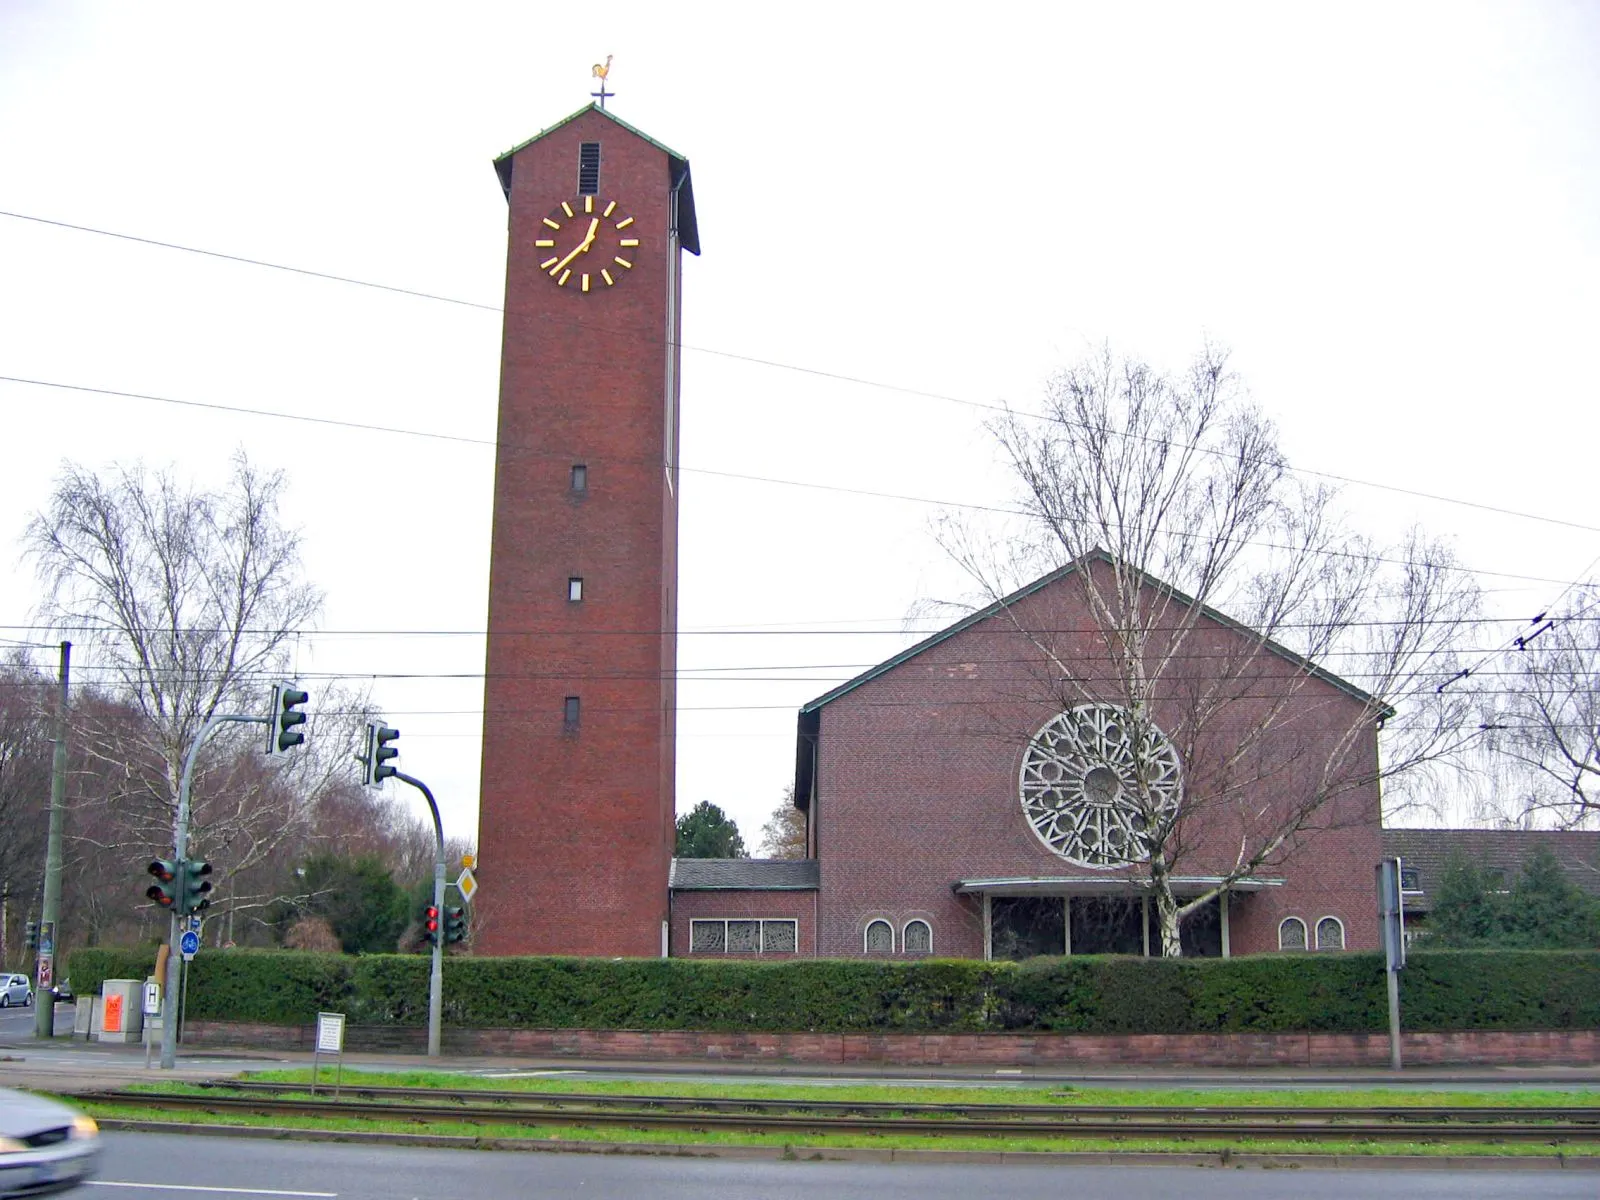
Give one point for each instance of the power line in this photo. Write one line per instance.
(752, 359)
(992, 626)
(707, 471)
(253, 262)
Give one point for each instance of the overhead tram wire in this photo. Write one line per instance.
(727, 630)
(712, 472)
(1350, 675)
(816, 372)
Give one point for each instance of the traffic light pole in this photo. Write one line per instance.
(436, 979)
(180, 851)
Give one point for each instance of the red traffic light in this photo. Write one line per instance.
(164, 890)
(432, 919)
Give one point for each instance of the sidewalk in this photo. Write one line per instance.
(77, 1056)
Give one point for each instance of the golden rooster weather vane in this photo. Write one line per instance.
(600, 71)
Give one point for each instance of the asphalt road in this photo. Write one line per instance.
(16, 1023)
(235, 1168)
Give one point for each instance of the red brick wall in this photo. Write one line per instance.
(918, 784)
(575, 829)
(1040, 1050)
(797, 906)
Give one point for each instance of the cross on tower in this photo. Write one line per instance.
(600, 71)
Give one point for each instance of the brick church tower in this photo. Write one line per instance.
(576, 813)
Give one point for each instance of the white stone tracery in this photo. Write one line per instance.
(1080, 785)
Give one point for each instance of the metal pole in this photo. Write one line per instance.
(1394, 1019)
(44, 1017)
(180, 848)
(436, 980)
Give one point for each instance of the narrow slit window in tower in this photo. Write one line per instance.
(589, 169)
(580, 478)
(575, 588)
(569, 714)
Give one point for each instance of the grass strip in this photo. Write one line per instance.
(1002, 1094)
(821, 1143)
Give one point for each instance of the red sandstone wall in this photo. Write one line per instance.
(1054, 1051)
(575, 829)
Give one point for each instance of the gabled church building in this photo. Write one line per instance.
(957, 806)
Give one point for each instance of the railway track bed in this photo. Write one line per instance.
(1549, 1125)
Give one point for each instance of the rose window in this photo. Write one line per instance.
(1081, 786)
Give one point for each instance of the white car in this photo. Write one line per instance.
(15, 989)
(45, 1147)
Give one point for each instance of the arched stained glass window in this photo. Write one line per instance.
(917, 938)
(880, 938)
(1330, 934)
(1292, 934)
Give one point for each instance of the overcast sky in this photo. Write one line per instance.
(1389, 212)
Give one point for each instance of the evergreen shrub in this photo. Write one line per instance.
(1269, 993)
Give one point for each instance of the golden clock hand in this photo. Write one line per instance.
(594, 225)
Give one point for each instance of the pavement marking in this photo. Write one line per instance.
(226, 1191)
(524, 1074)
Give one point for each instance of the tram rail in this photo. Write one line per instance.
(799, 1117)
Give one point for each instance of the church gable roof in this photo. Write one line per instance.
(1060, 573)
(688, 226)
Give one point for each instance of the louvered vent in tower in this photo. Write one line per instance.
(589, 169)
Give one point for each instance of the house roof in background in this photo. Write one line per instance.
(1428, 850)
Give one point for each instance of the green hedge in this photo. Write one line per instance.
(1440, 990)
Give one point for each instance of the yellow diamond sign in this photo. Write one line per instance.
(467, 885)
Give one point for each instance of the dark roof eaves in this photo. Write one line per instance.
(567, 120)
(928, 643)
(983, 614)
(746, 887)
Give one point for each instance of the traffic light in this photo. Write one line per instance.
(165, 890)
(455, 925)
(285, 715)
(31, 935)
(195, 886)
(430, 924)
(379, 753)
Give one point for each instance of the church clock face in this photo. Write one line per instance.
(589, 243)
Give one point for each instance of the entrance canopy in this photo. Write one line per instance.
(1102, 885)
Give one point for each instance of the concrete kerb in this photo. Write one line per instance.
(799, 1072)
(1165, 1075)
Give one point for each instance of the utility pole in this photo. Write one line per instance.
(44, 1016)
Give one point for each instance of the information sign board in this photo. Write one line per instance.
(330, 1033)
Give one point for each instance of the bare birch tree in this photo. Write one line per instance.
(186, 602)
(1546, 727)
(1173, 496)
